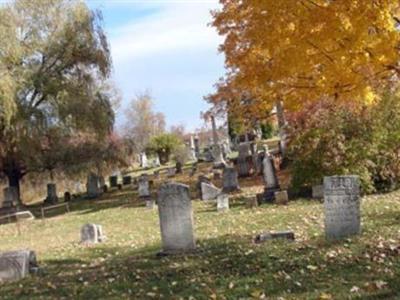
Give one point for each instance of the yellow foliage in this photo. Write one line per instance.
(302, 51)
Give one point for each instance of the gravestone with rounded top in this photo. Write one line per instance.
(15, 265)
(176, 218)
(91, 234)
(209, 191)
(230, 180)
(342, 206)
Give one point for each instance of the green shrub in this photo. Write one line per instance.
(331, 139)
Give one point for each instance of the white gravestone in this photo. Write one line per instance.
(342, 206)
(209, 191)
(143, 160)
(222, 203)
(270, 178)
(176, 218)
(16, 265)
(150, 204)
(92, 234)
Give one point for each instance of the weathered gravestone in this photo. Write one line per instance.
(209, 191)
(281, 198)
(51, 194)
(318, 192)
(92, 186)
(342, 206)
(150, 203)
(16, 265)
(113, 181)
(271, 184)
(143, 160)
(127, 180)
(10, 196)
(171, 172)
(243, 159)
(230, 180)
(67, 197)
(176, 218)
(197, 146)
(222, 203)
(144, 186)
(92, 234)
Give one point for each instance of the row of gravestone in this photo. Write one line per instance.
(341, 208)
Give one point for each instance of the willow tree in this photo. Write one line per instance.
(55, 59)
(297, 52)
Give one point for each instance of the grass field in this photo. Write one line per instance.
(228, 265)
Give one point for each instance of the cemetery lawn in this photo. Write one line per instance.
(228, 265)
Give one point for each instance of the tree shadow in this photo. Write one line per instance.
(228, 265)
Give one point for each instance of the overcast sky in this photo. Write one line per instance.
(165, 47)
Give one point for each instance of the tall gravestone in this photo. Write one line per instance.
(230, 180)
(197, 146)
(16, 265)
(271, 184)
(216, 148)
(113, 181)
(176, 218)
(10, 196)
(51, 194)
(243, 159)
(342, 206)
(93, 186)
(144, 186)
(143, 160)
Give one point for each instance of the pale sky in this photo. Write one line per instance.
(165, 47)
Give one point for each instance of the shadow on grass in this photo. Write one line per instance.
(229, 265)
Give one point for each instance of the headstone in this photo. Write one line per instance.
(217, 156)
(113, 181)
(16, 265)
(144, 186)
(178, 167)
(67, 197)
(150, 203)
(200, 180)
(102, 183)
(267, 236)
(342, 206)
(271, 184)
(270, 178)
(251, 202)
(92, 186)
(209, 191)
(176, 218)
(127, 180)
(171, 172)
(51, 194)
(230, 180)
(222, 203)
(192, 150)
(281, 198)
(92, 234)
(10, 196)
(318, 191)
(156, 162)
(243, 159)
(197, 146)
(143, 160)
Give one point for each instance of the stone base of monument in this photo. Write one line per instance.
(267, 236)
(16, 265)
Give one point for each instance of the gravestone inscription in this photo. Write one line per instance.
(342, 206)
(176, 218)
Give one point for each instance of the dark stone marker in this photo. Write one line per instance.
(113, 181)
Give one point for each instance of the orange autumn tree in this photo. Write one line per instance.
(302, 51)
